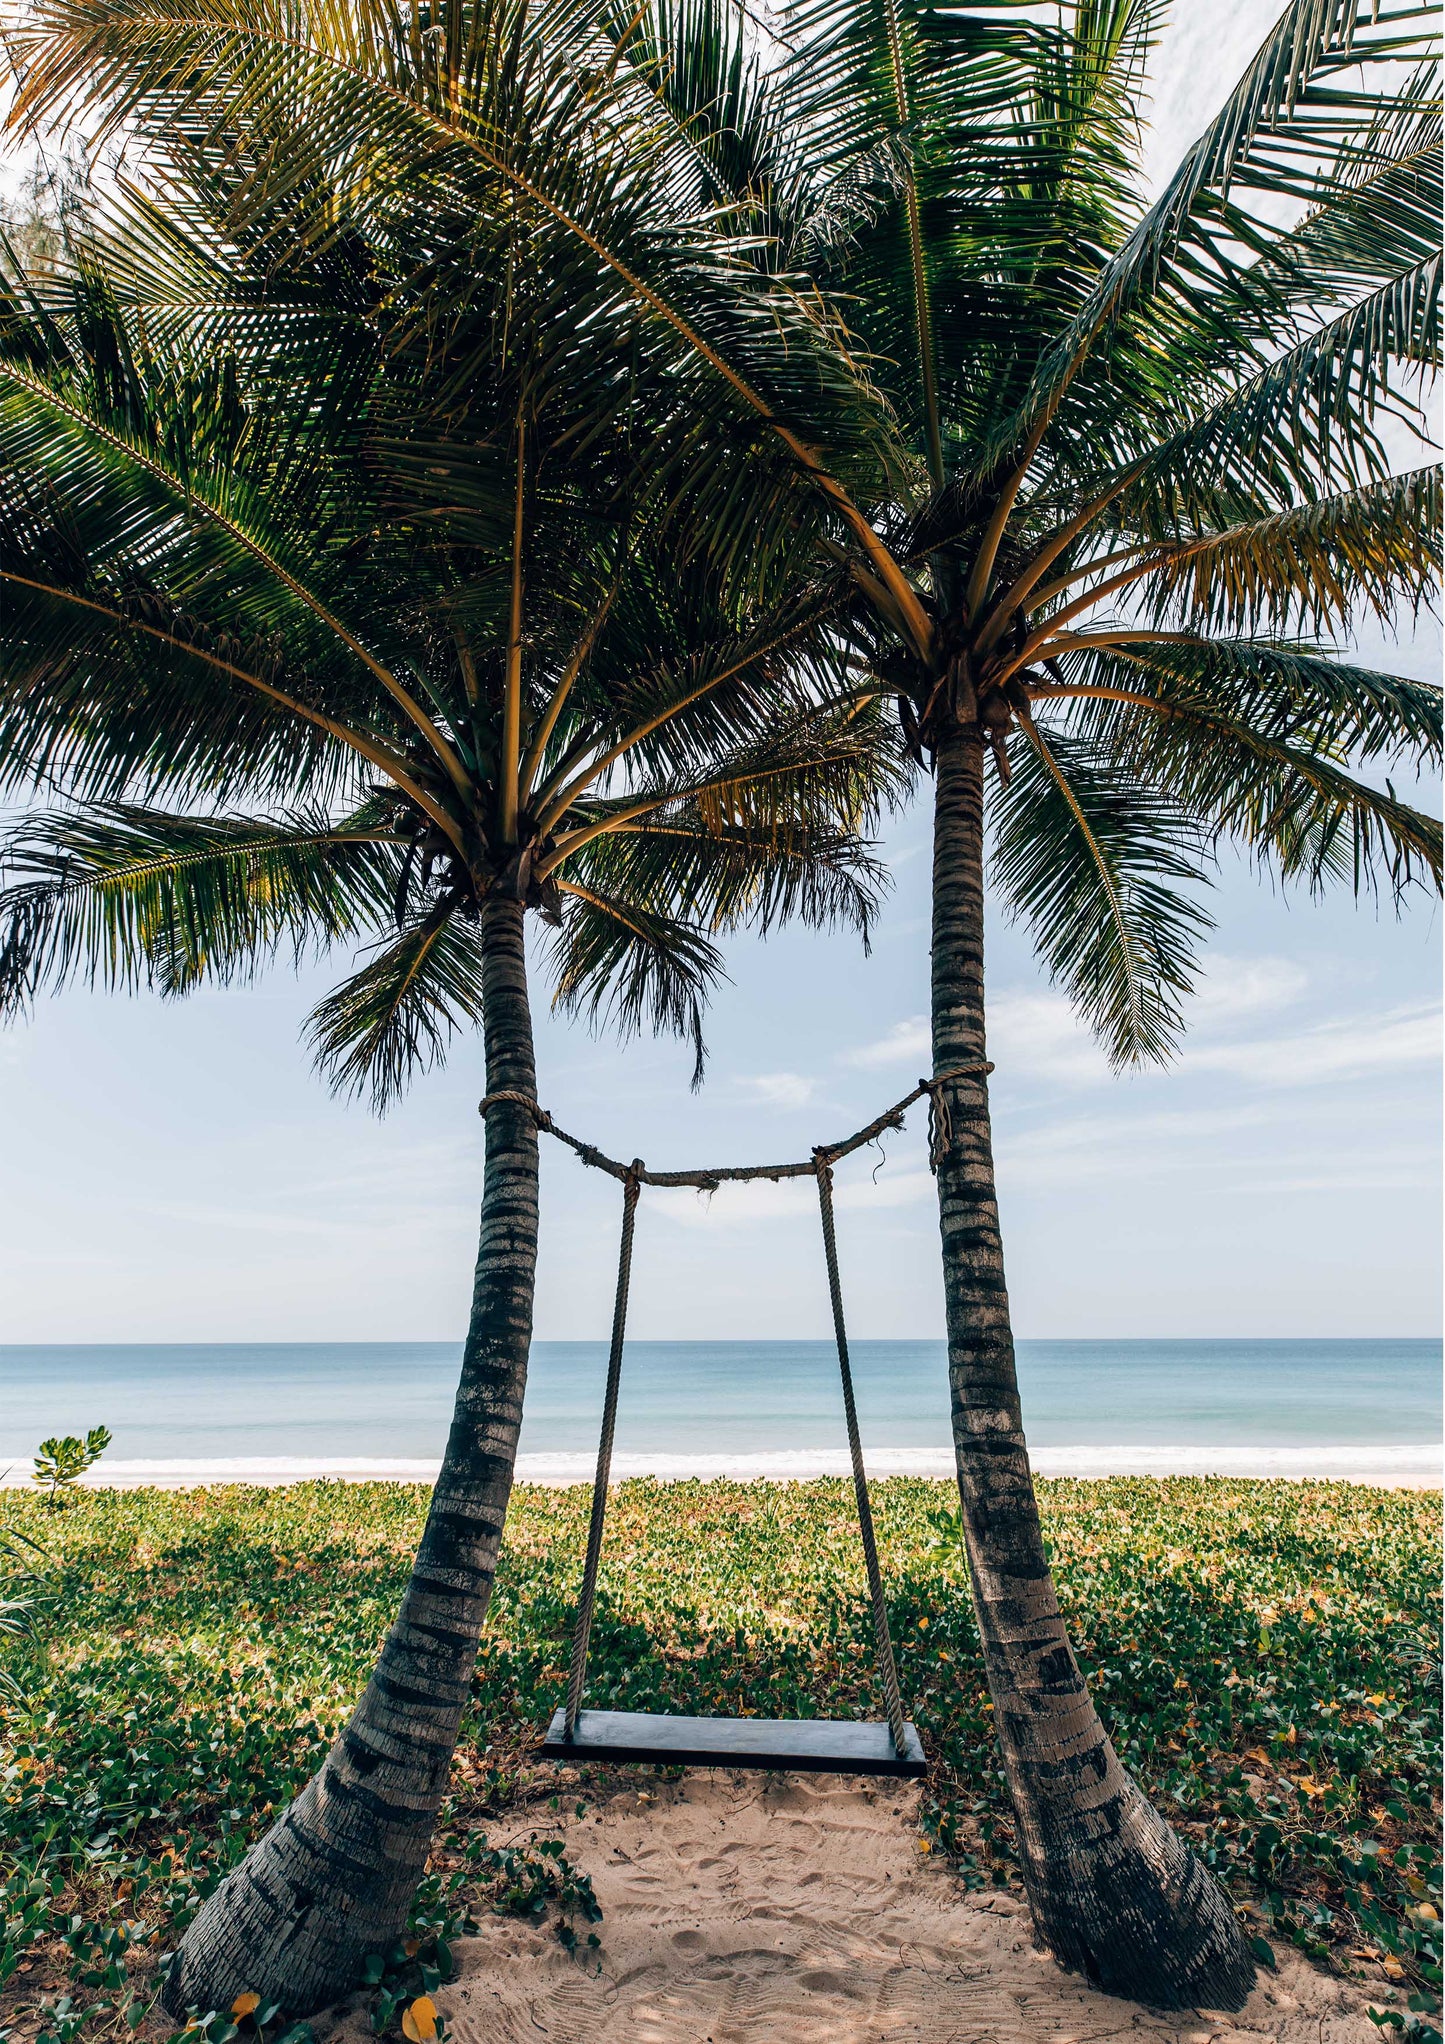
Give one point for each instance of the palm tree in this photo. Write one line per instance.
(322, 648)
(1149, 475)
(1124, 471)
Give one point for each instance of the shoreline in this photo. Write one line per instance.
(1410, 1465)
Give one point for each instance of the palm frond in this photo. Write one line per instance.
(729, 876)
(354, 130)
(1318, 565)
(398, 1014)
(1088, 855)
(618, 959)
(1256, 741)
(1299, 122)
(120, 896)
(1305, 422)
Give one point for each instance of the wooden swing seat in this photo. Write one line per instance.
(809, 1745)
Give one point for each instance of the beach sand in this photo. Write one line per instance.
(801, 1910)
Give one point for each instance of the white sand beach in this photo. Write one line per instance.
(802, 1910)
(1410, 1465)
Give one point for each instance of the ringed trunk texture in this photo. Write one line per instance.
(1115, 1893)
(333, 1877)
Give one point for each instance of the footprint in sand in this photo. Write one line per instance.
(819, 1982)
(879, 1945)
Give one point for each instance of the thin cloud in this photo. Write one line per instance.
(1033, 1033)
(1037, 1033)
(1410, 1174)
(1039, 1036)
(1356, 1047)
(889, 1189)
(422, 1219)
(904, 1043)
(1259, 1145)
(1094, 1148)
(780, 1089)
(1233, 987)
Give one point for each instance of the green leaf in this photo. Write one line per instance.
(1087, 855)
(397, 1015)
(119, 895)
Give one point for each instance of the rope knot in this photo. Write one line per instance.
(940, 1117)
(539, 1114)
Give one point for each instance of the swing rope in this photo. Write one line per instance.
(577, 1673)
(820, 1167)
(882, 1637)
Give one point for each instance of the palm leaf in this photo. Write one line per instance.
(119, 896)
(1087, 855)
(1256, 740)
(1318, 564)
(619, 960)
(397, 1015)
(1289, 128)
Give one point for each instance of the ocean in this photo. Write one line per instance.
(272, 1412)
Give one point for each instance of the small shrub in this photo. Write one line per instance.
(64, 1459)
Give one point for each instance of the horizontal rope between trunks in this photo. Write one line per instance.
(940, 1135)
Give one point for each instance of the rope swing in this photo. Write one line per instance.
(892, 1747)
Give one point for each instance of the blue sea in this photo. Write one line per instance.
(189, 1412)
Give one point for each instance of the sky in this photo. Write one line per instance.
(175, 1172)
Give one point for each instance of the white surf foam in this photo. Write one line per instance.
(1406, 1463)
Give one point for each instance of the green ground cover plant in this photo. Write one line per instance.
(1265, 1654)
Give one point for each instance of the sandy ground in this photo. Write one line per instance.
(800, 1910)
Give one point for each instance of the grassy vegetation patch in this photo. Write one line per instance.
(1264, 1653)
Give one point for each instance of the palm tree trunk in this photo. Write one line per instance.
(1115, 1893)
(332, 1879)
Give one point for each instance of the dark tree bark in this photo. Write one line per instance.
(1115, 1893)
(333, 1877)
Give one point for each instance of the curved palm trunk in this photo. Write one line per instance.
(1115, 1893)
(332, 1878)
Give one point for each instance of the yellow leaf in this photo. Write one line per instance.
(245, 2004)
(419, 2024)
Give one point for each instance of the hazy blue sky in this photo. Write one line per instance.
(174, 1172)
